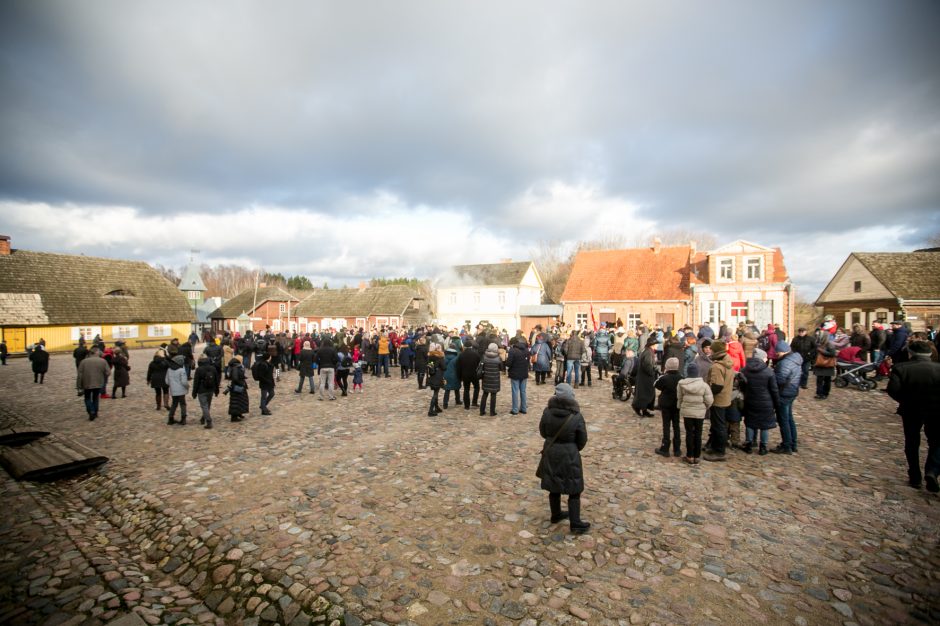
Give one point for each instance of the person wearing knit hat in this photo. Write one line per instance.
(693, 398)
(788, 371)
(669, 408)
(721, 381)
(563, 428)
(915, 385)
(490, 382)
(761, 398)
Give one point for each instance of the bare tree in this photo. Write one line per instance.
(553, 265)
(169, 273)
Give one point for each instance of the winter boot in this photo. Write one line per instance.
(734, 434)
(577, 525)
(554, 503)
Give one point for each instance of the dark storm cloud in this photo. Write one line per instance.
(767, 120)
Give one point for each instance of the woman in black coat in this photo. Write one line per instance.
(122, 373)
(761, 399)
(491, 376)
(305, 367)
(237, 390)
(421, 360)
(156, 378)
(645, 393)
(565, 434)
(40, 360)
(435, 370)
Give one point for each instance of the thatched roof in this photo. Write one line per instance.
(68, 289)
(908, 275)
(487, 274)
(386, 300)
(247, 301)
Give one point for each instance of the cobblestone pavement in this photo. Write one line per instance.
(365, 510)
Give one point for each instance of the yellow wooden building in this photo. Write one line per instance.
(60, 298)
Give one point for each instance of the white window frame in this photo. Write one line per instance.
(580, 320)
(453, 298)
(276, 325)
(501, 299)
(86, 332)
(760, 268)
(124, 332)
(476, 298)
(381, 321)
(712, 311)
(282, 308)
(721, 277)
(731, 309)
(633, 320)
(159, 330)
(192, 295)
(360, 322)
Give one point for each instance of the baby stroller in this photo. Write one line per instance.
(623, 387)
(851, 373)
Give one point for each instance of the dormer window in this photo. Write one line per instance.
(726, 269)
(119, 293)
(755, 267)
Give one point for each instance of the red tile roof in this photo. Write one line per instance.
(630, 275)
(780, 270)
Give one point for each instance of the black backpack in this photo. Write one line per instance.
(255, 372)
(210, 379)
(763, 342)
(347, 361)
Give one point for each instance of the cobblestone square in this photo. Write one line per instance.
(365, 510)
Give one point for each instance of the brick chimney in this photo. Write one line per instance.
(362, 285)
(505, 260)
(4, 245)
(693, 247)
(262, 285)
(657, 244)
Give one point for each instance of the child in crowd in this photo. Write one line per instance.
(669, 407)
(357, 374)
(693, 398)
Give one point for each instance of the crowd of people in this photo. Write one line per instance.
(737, 375)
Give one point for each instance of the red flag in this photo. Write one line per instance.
(593, 321)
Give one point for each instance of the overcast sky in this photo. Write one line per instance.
(344, 140)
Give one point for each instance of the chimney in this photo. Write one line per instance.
(262, 285)
(362, 285)
(693, 247)
(657, 244)
(4, 245)
(505, 260)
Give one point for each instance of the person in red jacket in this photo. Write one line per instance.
(735, 351)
